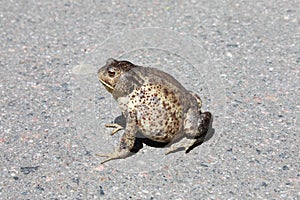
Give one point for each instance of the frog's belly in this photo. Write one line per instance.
(157, 123)
(158, 111)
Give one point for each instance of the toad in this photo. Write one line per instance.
(156, 107)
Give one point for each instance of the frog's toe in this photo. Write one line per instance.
(116, 126)
(108, 156)
(118, 154)
(190, 148)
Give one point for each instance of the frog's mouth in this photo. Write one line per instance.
(108, 87)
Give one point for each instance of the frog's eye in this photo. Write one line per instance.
(111, 72)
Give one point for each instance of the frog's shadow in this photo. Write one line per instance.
(140, 139)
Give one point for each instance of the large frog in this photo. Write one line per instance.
(156, 106)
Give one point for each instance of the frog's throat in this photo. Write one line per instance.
(108, 87)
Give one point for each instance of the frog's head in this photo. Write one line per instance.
(110, 74)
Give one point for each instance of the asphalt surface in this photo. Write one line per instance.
(242, 57)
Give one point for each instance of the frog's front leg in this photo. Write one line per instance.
(127, 143)
(124, 149)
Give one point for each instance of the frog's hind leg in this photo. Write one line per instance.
(203, 128)
(196, 127)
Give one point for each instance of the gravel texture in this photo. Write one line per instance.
(242, 57)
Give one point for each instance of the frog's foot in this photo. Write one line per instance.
(116, 126)
(182, 145)
(125, 149)
(116, 155)
(195, 144)
(174, 150)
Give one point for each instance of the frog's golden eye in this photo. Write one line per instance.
(111, 72)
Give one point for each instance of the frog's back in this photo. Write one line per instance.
(158, 76)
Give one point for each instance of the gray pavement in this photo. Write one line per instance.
(242, 57)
